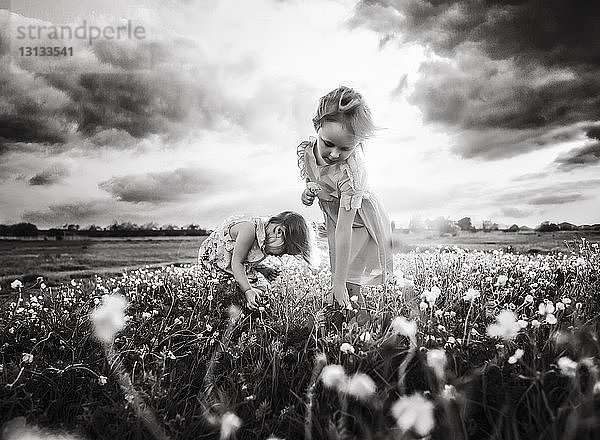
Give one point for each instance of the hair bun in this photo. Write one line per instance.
(353, 101)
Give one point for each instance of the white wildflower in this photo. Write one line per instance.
(403, 326)
(449, 392)
(436, 360)
(528, 299)
(230, 423)
(102, 380)
(360, 386)
(523, 323)
(346, 348)
(567, 366)
(471, 294)
(16, 284)
(516, 356)
(551, 319)
(432, 295)
(546, 307)
(560, 306)
(414, 412)
(27, 358)
(333, 376)
(535, 323)
(502, 279)
(109, 318)
(506, 326)
(423, 305)
(234, 312)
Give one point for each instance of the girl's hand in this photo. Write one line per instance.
(270, 273)
(308, 197)
(253, 297)
(341, 296)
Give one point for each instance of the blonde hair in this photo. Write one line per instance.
(346, 106)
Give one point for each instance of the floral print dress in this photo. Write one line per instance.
(217, 249)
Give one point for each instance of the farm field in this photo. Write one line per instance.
(462, 344)
(62, 260)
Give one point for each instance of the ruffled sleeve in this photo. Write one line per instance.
(353, 185)
(301, 152)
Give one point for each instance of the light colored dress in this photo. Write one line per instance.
(345, 184)
(217, 249)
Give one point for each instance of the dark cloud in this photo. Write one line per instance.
(593, 133)
(519, 67)
(162, 186)
(140, 104)
(130, 56)
(556, 199)
(474, 92)
(51, 175)
(555, 194)
(134, 87)
(73, 212)
(551, 32)
(515, 212)
(113, 138)
(580, 157)
(30, 112)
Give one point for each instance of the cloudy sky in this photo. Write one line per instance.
(488, 109)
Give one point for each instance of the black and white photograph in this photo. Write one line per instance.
(299, 219)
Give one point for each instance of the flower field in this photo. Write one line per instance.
(460, 345)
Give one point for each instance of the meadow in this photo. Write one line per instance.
(461, 344)
(83, 257)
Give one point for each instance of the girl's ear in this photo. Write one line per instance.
(279, 231)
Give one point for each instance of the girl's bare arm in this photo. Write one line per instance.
(244, 235)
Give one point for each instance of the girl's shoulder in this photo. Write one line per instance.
(354, 168)
(230, 222)
(301, 152)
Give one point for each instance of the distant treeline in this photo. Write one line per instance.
(115, 230)
(447, 226)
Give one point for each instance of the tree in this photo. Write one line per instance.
(488, 225)
(546, 226)
(465, 224)
(23, 230)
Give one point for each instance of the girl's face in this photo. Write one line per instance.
(274, 243)
(334, 142)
